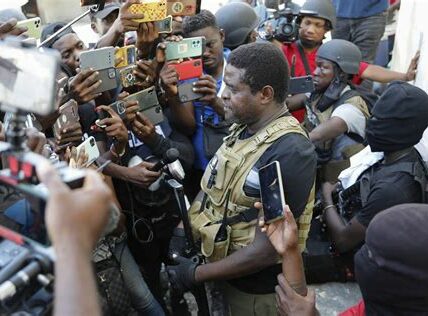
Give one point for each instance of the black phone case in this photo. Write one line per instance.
(302, 84)
(186, 93)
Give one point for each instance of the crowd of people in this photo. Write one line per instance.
(359, 219)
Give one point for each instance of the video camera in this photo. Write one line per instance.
(285, 28)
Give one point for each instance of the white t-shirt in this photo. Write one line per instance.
(353, 117)
(422, 146)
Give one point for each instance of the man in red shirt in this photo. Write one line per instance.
(316, 18)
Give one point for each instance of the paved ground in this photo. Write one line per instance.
(333, 298)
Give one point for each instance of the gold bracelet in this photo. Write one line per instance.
(328, 206)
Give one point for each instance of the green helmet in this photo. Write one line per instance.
(345, 54)
(238, 20)
(322, 9)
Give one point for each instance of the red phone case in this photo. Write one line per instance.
(189, 69)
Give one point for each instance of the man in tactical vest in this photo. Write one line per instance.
(222, 216)
(398, 121)
(336, 114)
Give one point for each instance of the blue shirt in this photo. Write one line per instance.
(359, 8)
(201, 160)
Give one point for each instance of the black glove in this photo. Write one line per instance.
(182, 275)
(177, 243)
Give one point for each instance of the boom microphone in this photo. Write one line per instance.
(170, 156)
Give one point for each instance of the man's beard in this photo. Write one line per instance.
(309, 44)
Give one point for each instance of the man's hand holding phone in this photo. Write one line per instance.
(146, 72)
(71, 134)
(144, 129)
(142, 175)
(82, 86)
(125, 21)
(283, 233)
(114, 126)
(169, 80)
(10, 28)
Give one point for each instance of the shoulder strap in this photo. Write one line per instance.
(304, 59)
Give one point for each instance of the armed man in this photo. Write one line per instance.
(222, 216)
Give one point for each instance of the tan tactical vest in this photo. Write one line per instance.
(233, 161)
(331, 170)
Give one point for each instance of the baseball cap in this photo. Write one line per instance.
(109, 8)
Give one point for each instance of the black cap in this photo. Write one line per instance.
(51, 29)
(109, 8)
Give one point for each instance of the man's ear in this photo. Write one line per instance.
(221, 31)
(94, 27)
(267, 95)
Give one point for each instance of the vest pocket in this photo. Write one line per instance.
(227, 166)
(211, 249)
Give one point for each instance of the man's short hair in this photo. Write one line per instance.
(199, 21)
(264, 65)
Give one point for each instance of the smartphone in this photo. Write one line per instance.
(146, 98)
(68, 116)
(186, 48)
(165, 26)
(91, 150)
(120, 108)
(108, 79)
(153, 10)
(182, 8)
(189, 69)
(186, 93)
(154, 114)
(272, 192)
(302, 84)
(98, 59)
(128, 55)
(34, 26)
(28, 78)
(127, 77)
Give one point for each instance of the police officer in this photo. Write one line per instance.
(222, 216)
(335, 113)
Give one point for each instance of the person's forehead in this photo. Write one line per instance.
(67, 41)
(313, 20)
(323, 61)
(209, 33)
(234, 74)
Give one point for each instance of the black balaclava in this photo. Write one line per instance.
(328, 97)
(392, 267)
(399, 118)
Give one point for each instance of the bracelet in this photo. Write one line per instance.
(328, 206)
(116, 154)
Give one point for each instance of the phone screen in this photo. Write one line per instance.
(272, 192)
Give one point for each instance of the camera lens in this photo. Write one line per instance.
(287, 29)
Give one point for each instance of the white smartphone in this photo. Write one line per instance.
(34, 26)
(91, 149)
(272, 192)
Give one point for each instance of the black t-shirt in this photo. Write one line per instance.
(389, 189)
(297, 158)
